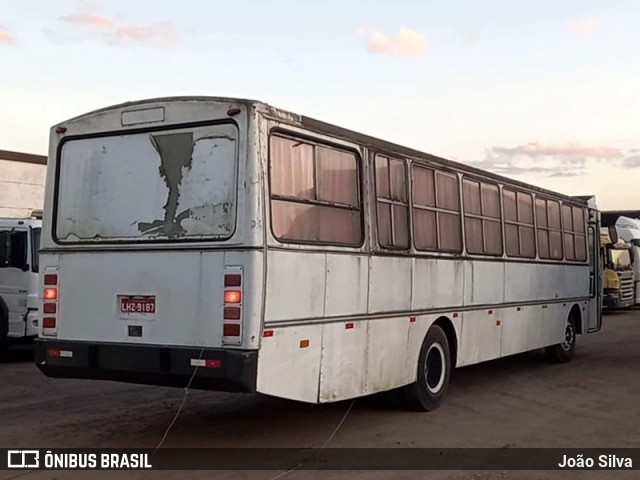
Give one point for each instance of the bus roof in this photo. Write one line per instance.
(344, 134)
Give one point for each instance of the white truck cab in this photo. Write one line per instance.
(19, 315)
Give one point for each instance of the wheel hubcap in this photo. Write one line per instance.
(435, 368)
(569, 337)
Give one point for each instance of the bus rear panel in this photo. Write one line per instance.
(150, 266)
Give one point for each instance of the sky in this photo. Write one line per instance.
(541, 91)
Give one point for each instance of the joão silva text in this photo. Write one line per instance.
(604, 461)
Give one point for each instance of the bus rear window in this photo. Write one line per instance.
(148, 186)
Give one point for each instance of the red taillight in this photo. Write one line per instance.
(231, 313)
(50, 293)
(267, 333)
(53, 352)
(231, 330)
(49, 322)
(51, 279)
(212, 363)
(49, 308)
(232, 306)
(232, 296)
(232, 280)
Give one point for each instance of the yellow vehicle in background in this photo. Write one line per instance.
(617, 275)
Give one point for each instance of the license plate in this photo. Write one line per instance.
(138, 304)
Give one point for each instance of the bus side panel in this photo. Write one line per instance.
(481, 336)
(346, 285)
(553, 321)
(344, 360)
(437, 283)
(289, 362)
(520, 282)
(521, 329)
(387, 344)
(295, 285)
(390, 284)
(484, 283)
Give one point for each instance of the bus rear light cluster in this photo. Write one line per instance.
(232, 306)
(50, 305)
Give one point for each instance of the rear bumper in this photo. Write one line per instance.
(234, 370)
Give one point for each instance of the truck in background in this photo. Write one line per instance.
(628, 229)
(617, 275)
(19, 314)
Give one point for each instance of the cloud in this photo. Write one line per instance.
(585, 27)
(631, 162)
(89, 20)
(5, 36)
(570, 150)
(161, 34)
(568, 159)
(405, 43)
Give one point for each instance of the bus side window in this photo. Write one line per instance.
(392, 203)
(314, 193)
(436, 210)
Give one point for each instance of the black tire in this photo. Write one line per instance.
(434, 372)
(562, 352)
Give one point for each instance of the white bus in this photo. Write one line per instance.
(229, 245)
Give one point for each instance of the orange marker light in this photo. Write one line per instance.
(50, 293)
(232, 296)
(304, 343)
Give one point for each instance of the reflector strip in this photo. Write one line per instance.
(57, 353)
(206, 362)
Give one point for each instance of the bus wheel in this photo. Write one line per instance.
(562, 352)
(434, 371)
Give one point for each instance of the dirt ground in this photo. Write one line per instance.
(522, 401)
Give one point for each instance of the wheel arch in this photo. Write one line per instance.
(452, 337)
(576, 313)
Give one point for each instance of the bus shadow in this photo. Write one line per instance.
(252, 420)
(19, 353)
